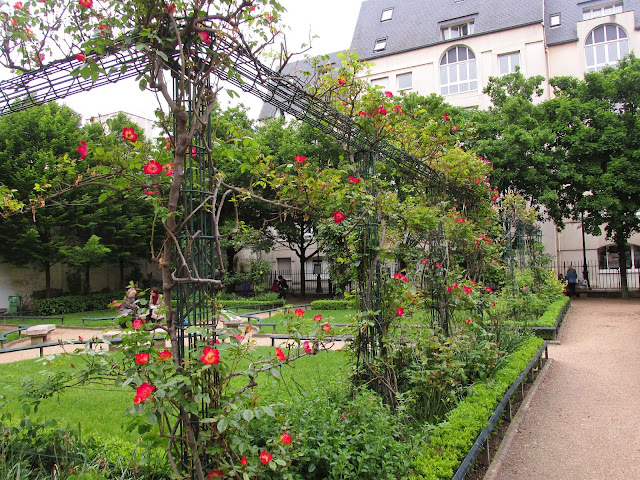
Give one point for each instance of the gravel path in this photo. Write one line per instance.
(584, 418)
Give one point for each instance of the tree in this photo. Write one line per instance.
(515, 136)
(284, 142)
(597, 126)
(84, 258)
(30, 143)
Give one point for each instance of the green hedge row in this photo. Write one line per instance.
(334, 304)
(451, 440)
(74, 303)
(550, 316)
(250, 302)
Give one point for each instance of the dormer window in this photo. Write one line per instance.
(387, 14)
(554, 20)
(380, 45)
(601, 11)
(456, 31)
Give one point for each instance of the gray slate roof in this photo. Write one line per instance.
(416, 23)
(295, 71)
(571, 13)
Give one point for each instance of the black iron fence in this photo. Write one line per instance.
(597, 278)
(315, 284)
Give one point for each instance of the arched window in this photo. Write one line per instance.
(608, 257)
(605, 45)
(458, 71)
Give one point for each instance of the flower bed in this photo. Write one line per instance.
(451, 440)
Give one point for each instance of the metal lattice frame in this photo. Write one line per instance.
(55, 81)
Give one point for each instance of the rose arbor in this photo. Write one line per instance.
(192, 49)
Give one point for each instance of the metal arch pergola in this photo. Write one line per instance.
(60, 79)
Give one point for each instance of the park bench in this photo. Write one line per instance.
(285, 336)
(5, 335)
(114, 337)
(39, 333)
(99, 319)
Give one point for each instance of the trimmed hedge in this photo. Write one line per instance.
(550, 316)
(334, 304)
(251, 303)
(451, 440)
(73, 303)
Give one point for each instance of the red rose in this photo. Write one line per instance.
(300, 158)
(338, 217)
(265, 457)
(317, 318)
(164, 355)
(81, 57)
(129, 133)
(153, 168)
(400, 311)
(210, 356)
(142, 358)
(279, 355)
(83, 150)
(307, 348)
(286, 438)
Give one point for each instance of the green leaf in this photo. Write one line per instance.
(248, 415)
(223, 423)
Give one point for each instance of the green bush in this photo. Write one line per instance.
(337, 435)
(550, 316)
(35, 450)
(74, 303)
(334, 304)
(250, 302)
(451, 440)
(261, 297)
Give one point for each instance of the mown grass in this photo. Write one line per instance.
(70, 319)
(100, 409)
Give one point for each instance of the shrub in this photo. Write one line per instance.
(338, 435)
(551, 315)
(451, 440)
(36, 450)
(334, 304)
(73, 303)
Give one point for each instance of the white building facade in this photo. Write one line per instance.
(453, 47)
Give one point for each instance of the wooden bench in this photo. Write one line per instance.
(285, 336)
(99, 319)
(39, 333)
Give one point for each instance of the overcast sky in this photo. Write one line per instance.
(332, 21)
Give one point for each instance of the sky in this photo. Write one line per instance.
(332, 21)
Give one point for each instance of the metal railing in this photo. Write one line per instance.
(596, 278)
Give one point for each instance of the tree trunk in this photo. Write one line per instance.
(122, 284)
(47, 279)
(87, 282)
(622, 256)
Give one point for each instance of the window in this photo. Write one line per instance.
(456, 31)
(387, 14)
(554, 20)
(605, 45)
(404, 81)
(609, 258)
(382, 82)
(380, 45)
(458, 71)
(508, 62)
(601, 11)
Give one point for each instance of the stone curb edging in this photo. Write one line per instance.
(512, 431)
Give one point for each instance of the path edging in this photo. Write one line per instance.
(512, 431)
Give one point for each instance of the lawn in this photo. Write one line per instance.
(70, 319)
(99, 409)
